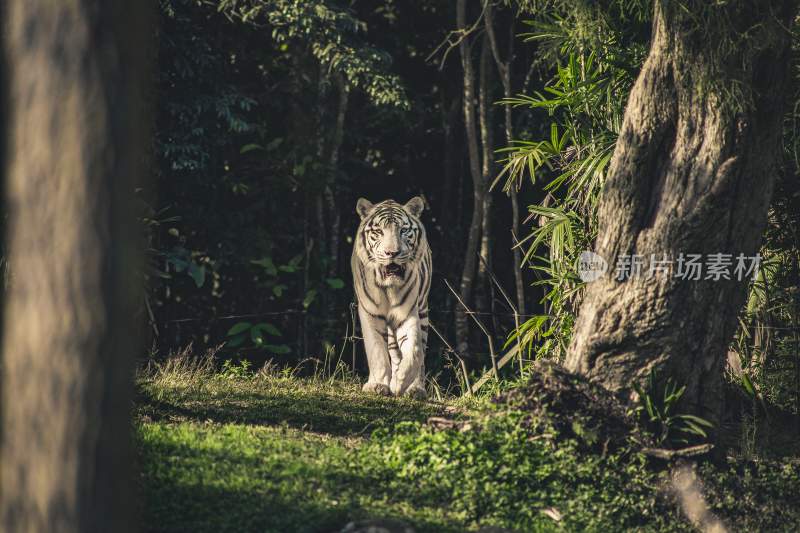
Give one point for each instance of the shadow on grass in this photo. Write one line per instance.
(199, 509)
(189, 488)
(318, 411)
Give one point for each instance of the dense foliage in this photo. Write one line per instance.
(274, 116)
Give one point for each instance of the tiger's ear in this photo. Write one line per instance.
(363, 207)
(415, 206)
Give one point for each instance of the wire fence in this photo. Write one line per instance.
(790, 337)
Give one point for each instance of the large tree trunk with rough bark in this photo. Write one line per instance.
(692, 173)
(74, 150)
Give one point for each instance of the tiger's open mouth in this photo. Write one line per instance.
(393, 270)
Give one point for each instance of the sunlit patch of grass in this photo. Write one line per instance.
(185, 390)
(232, 449)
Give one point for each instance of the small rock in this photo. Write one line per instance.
(378, 526)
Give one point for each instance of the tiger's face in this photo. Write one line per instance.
(389, 238)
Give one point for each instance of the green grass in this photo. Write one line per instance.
(270, 451)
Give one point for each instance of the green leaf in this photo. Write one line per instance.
(267, 264)
(239, 328)
(698, 420)
(335, 283)
(179, 264)
(198, 274)
(296, 260)
(279, 349)
(236, 341)
(287, 268)
(268, 328)
(648, 402)
(277, 290)
(256, 336)
(748, 386)
(274, 143)
(694, 429)
(250, 147)
(309, 299)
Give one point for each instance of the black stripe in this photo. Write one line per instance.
(364, 286)
(409, 285)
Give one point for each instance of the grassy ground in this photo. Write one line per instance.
(268, 451)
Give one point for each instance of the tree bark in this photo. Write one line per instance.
(693, 172)
(75, 71)
(473, 241)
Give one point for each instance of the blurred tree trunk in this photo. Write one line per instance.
(485, 299)
(693, 172)
(447, 214)
(470, 126)
(504, 68)
(337, 136)
(75, 150)
(320, 127)
(302, 127)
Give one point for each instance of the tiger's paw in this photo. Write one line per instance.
(416, 393)
(377, 388)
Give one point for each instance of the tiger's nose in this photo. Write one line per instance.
(392, 253)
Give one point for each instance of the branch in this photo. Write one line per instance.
(471, 313)
(510, 304)
(691, 451)
(488, 22)
(460, 360)
(461, 33)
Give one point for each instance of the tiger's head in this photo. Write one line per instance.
(391, 238)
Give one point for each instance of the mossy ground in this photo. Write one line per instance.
(271, 452)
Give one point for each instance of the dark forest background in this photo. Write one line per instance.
(274, 117)
(263, 149)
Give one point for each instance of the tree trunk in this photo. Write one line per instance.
(504, 69)
(693, 173)
(76, 130)
(333, 165)
(448, 215)
(485, 301)
(323, 80)
(473, 241)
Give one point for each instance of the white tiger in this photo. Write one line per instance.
(391, 265)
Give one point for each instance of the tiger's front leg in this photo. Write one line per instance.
(408, 378)
(374, 331)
